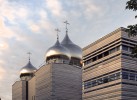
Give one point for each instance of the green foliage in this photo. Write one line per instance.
(132, 29)
(134, 52)
(131, 5)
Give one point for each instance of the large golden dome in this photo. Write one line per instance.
(58, 51)
(75, 50)
(28, 69)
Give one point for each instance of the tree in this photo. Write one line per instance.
(132, 29)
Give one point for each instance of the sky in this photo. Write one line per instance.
(29, 26)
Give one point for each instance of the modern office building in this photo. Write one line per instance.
(60, 78)
(109, 71)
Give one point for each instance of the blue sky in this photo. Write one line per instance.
(29, 26)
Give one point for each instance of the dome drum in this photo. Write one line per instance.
(58, 59)
(27, 71)
(75, 61)
(57, 54)
(26, 76)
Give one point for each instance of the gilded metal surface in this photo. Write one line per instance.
(75, 51)
(58, 49)
(29, 68)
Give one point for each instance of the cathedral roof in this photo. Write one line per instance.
(28, 69)
(57, 50)
(75, 50)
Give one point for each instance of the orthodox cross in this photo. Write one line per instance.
(57, 32)
(29, 53)
(66, 22)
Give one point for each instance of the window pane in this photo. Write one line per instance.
(124, 75)
(112, 77)
(130, 49)
(94, 83)
(136, 77)
(100, 81)
(105, 80)
(124, 47)
(94, 59)
(118, 75)
(106, 53)
(117, 48)
(112, 50)
(100, 56)
(132, 76)
(87, 85)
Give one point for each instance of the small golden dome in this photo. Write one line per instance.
(57, 51)
(28, 69)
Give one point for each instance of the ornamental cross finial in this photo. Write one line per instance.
(57, 32)
(29, 53)
(66, 22)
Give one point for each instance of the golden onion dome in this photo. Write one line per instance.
(28, 69)
(75, 50)
(57, 50)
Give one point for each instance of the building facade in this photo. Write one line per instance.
(60, 78)
(58, 82)
(19, 90)
(109, 71)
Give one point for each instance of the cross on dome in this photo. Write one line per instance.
(66, 22)
(29, 53)
(57, 30)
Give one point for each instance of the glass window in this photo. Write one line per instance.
(106, 53)
(118, 75)
(86, 62)
(94, 59)
(112, 77)
(94, 83)
(112, 50)
(130, 49)
(124, 75)
(117, 48)
(100, 56)
(132, 76)
(136, 77)
(109, 78)
(105, 79)
(124, 47)
(87, 84)
(100, 81)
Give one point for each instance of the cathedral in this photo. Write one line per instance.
(108, 72)
(60, 78)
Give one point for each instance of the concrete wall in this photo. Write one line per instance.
(119, 61)
(43, 83)
(19, 90)
(67, 82)
(102, 42)
(51, 82)
(31, 88)
(102, 67)
(58, 82)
